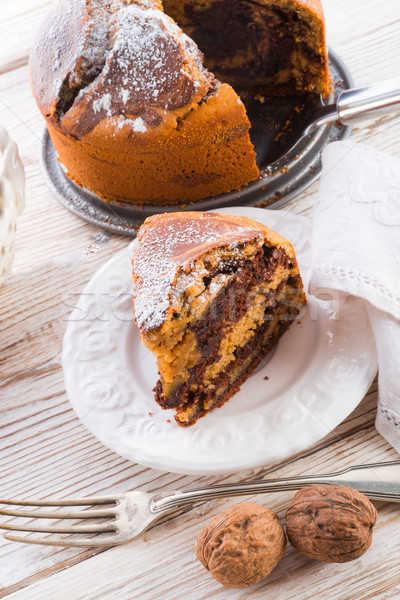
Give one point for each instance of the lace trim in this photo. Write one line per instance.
(367, 279)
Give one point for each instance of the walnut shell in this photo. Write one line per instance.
(241, 545)
(330, 523)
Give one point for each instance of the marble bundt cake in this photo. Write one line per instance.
(133, 113)
(213, 293)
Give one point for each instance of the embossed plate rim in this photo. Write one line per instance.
(306, 400)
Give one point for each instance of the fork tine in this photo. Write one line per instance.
(78, 514)
(56, 541)
(55, 529)
(64, 502)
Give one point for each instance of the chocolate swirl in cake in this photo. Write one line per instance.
(213, 293)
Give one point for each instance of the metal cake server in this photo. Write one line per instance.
(356, 105)
(125, 516)
(285, 128)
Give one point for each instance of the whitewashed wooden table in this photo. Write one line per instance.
(45, 450)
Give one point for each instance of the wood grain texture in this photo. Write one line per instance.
(45, 450)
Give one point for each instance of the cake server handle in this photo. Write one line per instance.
(356, 105)
(378, 481)
(359, 104)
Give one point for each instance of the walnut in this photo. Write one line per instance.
(331, 523)
(241, 545)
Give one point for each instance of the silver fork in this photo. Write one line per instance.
(132, 513)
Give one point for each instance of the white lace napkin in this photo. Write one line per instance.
(356, 250)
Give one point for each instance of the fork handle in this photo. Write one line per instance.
(378, 481)
(359, 104)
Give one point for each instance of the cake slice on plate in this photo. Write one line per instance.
(213, 293)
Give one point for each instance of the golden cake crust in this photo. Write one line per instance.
(158, 163)
(169, 243)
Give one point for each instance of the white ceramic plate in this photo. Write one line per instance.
(319, 372)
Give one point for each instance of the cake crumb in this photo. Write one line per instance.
(91, 249)
(266, 378)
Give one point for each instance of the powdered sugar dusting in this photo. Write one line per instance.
(105, 58)
(51, 57)
(169, 246)
(103, 103)
(146, 3)
(56, 60)
(124, 95)
(102, 17)
(146, 48)
(138, 125)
